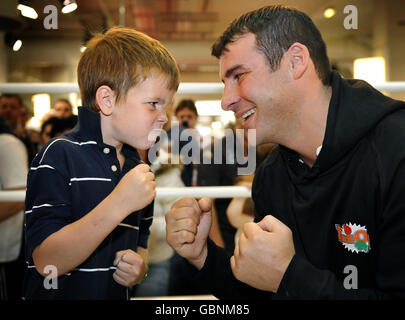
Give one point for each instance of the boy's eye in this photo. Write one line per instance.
(238, 75)
(153, 104)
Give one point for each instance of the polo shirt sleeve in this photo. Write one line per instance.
(47, 204)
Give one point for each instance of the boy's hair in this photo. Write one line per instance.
(122, 58)
(276, 28)
(186, 104)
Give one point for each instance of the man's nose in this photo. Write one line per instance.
(230, 98)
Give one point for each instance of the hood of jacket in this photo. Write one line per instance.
(354, 110)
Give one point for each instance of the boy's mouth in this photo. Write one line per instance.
(153, 134)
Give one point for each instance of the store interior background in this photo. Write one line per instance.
(188, 28)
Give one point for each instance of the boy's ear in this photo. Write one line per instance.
(105, 98)
(299, 59)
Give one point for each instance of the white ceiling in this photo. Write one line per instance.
(184, 24)
(182, 19)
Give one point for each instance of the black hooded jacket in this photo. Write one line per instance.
(346, 213)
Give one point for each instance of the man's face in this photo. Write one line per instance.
(62, 109)
(186, 115)
(10, 111)
(257, 95)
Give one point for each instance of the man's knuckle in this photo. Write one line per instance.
(189, 224)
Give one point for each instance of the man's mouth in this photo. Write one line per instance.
(248, 114)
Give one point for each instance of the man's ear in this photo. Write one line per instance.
(299, 59)
(105, 98)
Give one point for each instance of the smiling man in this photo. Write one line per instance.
(329, 220)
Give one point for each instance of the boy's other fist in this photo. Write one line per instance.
(130, 268)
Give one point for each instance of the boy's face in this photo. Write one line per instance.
(138, 118)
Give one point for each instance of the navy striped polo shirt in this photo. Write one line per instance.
(70, 176)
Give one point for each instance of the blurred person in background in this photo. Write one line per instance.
(194, 174)
(54, 127)
(63, 108)
(15, 114)
(10, 110)
(187, 115)
(160, 253)
(13, 176)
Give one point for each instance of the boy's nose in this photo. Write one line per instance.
(163, 117)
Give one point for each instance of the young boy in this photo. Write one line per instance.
(89, 197)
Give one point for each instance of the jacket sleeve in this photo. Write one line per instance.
(217, 277)
(303, 281)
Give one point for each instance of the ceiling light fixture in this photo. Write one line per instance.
(68, 6)
(329, 13)
(26, 10)
(13, 42)
(17, 45)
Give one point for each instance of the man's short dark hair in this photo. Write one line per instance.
(59, 125)
(276, 28)
(65, 101)
(12, 95)
(186, 104)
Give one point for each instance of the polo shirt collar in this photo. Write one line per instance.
(89, 125)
